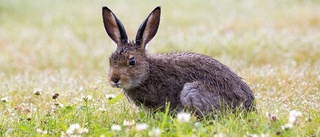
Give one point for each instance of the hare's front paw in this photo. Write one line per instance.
(196, 97)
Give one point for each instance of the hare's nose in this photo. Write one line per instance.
(115, 79)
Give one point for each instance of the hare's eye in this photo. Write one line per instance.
(132, 61)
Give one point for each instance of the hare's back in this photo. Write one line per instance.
(188, 67)
(189, 62)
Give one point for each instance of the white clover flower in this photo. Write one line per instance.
(156, 132)
(293, 119)
(293, 116)
(116, 127)
(219, 135)
(287, 126)
(110, 96)
(141, 127)
(86, 98)
(73, 129)
(183, 117)
(5, 100)
(128, 123)
(45, 132)
(39, 131)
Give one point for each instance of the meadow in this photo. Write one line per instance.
(54, 66)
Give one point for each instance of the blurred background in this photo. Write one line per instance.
(61, 46)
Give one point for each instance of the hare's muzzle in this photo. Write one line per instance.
(115, 82)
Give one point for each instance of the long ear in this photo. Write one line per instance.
(148, 28)
(114, 27)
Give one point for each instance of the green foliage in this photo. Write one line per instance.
(62, 47)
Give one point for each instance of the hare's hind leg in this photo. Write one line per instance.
(197, 97)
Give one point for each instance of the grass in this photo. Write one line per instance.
(61, 47)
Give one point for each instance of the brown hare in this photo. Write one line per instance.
(186, 80)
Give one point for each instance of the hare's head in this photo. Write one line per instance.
(128, 64)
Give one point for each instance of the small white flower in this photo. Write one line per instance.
(45, 132)
(183, 117)
(5, 99)
(141, 127)
(128, 123)
(69, 132)
(74, 126)
(219, 135)
(39, 131)
(287, 126)
(293, 115)
(156, 132)
(73, 129)
(86, 98)
(116, 127)
(110, 96)
(253, 135)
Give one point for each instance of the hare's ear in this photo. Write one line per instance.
(114, 27)
(148, 28)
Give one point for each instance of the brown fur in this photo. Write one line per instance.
(186, 80)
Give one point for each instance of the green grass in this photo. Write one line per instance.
(62, 47)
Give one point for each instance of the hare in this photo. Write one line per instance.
(186, 80)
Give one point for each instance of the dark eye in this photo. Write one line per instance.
(132, 61)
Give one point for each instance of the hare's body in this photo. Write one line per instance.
(190, 79)
(186, 80)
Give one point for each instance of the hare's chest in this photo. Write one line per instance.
(154, 97)
(144, 98)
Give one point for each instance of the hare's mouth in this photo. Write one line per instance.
(124, 84)
(119, 85)
(115, 85)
